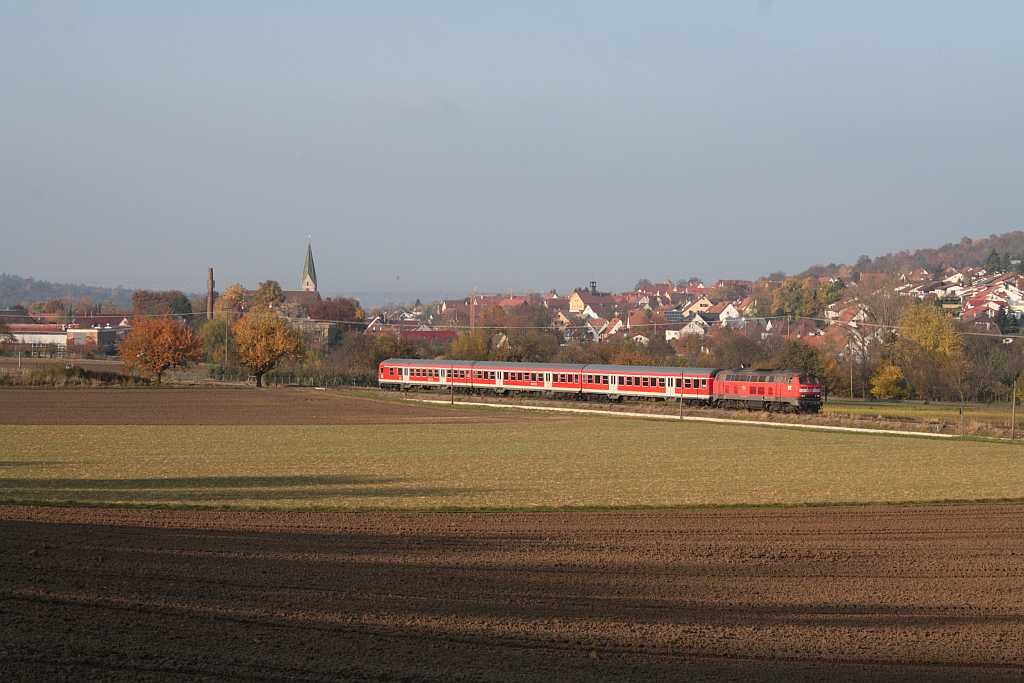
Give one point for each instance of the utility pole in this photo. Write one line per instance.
(851, 375)
(1013, 410)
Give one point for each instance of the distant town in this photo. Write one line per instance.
(842, 320)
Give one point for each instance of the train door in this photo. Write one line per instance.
(547, 380)
(499, 378)
(613, 384)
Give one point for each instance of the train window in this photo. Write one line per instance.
(687, 383)
(704, 382)
(661, 381)
(643, 381)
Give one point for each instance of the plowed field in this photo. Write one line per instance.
(242, 406)
(919, 593)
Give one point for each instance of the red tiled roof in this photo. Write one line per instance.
(35, 328)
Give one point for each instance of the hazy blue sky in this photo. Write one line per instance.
(521, 145)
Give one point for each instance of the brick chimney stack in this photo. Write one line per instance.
(209, 294)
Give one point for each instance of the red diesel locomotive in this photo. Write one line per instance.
(776, 390)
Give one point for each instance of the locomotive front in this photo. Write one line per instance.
(809, 387)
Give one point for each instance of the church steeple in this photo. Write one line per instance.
(309, 270)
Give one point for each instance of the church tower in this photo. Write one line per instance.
(309, 271)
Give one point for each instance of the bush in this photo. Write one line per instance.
(58, 376)
(889, 383)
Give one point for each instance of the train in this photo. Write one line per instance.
(743, 388)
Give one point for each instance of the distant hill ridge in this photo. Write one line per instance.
(965, 253)
(15, 290)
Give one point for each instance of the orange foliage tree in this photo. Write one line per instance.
(263, 339)
(155, 345)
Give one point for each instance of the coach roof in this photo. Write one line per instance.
(649, 369)
(573, 367)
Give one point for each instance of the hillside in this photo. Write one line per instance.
(16, 290)
(966, 252)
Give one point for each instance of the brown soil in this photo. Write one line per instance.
(239, 406)
(837, 593)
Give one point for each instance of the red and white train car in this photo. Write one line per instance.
(616, 381)
(649, 381)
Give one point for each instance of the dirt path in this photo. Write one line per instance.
(686, 418)
(920, 593)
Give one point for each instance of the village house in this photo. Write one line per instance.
(582, 298)
(702, 304)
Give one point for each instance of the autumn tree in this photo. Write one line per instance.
(172, 302)
(55, 306)
(156, 345)
(798, 355)
(733, 348)
(643, 284)
(263, 339)
(475, 345)
(336, 309)
(889, 383)
(732, 291)
(268, 295)
(930, 351)
(218, 344)
(231, 302)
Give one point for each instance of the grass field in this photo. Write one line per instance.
(520, 464)
(997, 414)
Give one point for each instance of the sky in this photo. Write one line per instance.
(440, 147)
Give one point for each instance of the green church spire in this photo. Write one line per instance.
(309, 270)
